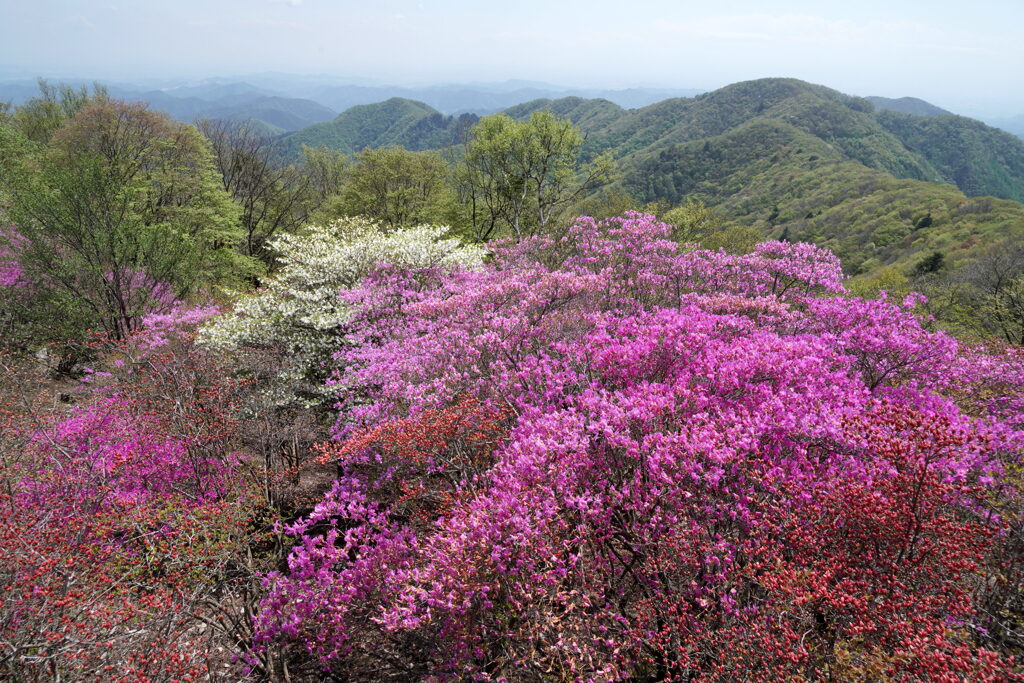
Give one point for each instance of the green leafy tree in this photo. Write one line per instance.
(886, 279)
(326, 170)
(932, 263)
(40, 117)
(273, 196)
(694, 222)
(517, 176)
(992, 303)
(608, 203)
(735, 239)
(120, 213)
(394, 186)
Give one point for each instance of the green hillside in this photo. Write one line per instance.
(263, 128)
(589, 115)
(285, 113)
(977, 158)
(907, 105)
(397, 121)
(845, 122)
(792, 159)
(787, 183)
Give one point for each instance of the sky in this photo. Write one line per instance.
(964, 56)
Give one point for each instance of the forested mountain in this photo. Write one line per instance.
(977, 158)
(980, 161)
(793, 185)
(906, 105)
(233, 101)
(794, 160)
(849, 125)
(413, 125)
(807, 163)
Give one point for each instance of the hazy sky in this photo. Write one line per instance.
(968, 56)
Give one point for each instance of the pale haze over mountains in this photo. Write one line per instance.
(964, 58)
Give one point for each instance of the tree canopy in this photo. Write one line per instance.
(119, 213)
(517, 175)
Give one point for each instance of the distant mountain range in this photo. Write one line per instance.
(482, 99)
(229, 101)
(297, 97)
(281, 105)
(879, 181)
(906, 105)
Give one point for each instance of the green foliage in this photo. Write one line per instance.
(120, 213)
(734, 239)
(976, 158)
(986, 296)
(606, 203)
(931, 263)
(41, 116)
(394, 186)
(518, 176)
(272, 196)
(693, 221)
(325, 168)
(886, 279)
(867, 217)
(397, 121)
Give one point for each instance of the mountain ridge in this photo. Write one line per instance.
(984, 160)
(906, 105)
(792, 159)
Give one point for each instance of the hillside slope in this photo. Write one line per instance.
(789, 184)
(906, 105)
(793, 159)
(977, 158)
(981, 160)
(282, 112)
(413, 125)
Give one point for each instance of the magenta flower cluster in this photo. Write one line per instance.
(604, 456)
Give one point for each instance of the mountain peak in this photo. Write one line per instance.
(907, 105)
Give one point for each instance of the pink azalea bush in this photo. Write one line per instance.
(606, 457)
(127, 519)
(127, 295)
(11, 242)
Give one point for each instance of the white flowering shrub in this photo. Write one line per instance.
(293, 322)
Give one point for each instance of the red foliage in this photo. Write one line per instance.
(424, 458)
(126, 526)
